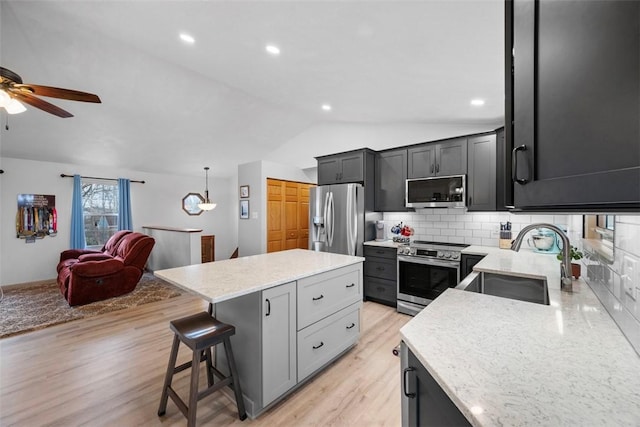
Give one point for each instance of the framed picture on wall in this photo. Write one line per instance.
(244, 191)
(244, 209)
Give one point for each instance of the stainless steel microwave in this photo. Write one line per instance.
(436, 192)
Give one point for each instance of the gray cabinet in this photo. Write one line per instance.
(575, 103)
(391, 175)
(343, 168)
(443, 158)
(380, 275)
(264, 345)
(481, 184)
(278, 341)
(423, 401)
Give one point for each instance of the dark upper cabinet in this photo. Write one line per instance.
(481, 182)
(442, 158)
(344, 168)
(574, 102)
(391, 174)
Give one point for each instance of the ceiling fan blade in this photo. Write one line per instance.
(56, 92)
(27, 98)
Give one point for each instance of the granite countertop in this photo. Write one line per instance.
(509, 362)
(222, 280)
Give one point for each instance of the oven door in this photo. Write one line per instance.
(421, 280)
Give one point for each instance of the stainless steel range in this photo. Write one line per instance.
(425, 270)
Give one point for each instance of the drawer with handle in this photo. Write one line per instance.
(381, 267)
(381, 290)
(381, 252)
(324, 294)
(321, 342)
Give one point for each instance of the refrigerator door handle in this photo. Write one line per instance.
(326, 219)
(352, 220)
(330, 220)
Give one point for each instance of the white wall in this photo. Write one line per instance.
(252, 232)
(158, 202)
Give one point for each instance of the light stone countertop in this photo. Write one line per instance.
(383, 243)
(505, 362)
(223, 280)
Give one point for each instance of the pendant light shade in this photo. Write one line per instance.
(207, 205)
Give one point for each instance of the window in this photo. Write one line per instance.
(100, 211)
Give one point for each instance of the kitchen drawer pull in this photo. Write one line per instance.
(381, 288)
(319, 298)
(351, 285)
(514, 165)
(351, 326)
(315, 347)
(379, 268)
(405, 381)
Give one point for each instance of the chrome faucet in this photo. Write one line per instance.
(565, 266)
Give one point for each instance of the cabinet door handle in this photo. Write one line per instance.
(405, 380)
(432, 167)
(351, 326)
(470, 199)
(318, 298)
(351, 285)
(437, 167)
(268, 307)
(315, 347)
(514, 165)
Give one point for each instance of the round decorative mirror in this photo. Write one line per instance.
(190, 203)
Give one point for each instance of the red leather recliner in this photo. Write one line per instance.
(86, 276)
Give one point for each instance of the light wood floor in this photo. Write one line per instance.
(108, 370)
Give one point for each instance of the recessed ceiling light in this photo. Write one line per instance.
(187, 38)
(326, 107)
(477, 102)
(273, 50)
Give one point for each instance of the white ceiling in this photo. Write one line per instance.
(171, 107)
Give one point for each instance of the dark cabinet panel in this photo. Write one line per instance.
(467, 261)
(438, 158)
(380, 275)
(481, 184)
(575, 103)
(422, 161)
(341, 168)
(451, 157)
(427, 404)
(391, 174)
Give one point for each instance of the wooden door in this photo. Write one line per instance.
(287, 215)
(303, 215)
(275, 215)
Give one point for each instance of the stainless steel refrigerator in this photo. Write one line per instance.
(339, 220)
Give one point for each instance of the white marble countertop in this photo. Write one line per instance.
(508, 362)
(223, 280)
(382, 243)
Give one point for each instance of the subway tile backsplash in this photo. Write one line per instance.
(475, 228)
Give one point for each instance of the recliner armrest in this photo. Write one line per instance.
(97, 268)
(76, 253)
(94, 257)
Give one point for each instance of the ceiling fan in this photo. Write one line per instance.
(13, 92)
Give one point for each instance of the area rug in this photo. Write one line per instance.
(31, 307)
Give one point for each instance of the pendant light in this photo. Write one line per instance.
(207, 205)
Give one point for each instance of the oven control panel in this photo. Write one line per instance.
(407, 250)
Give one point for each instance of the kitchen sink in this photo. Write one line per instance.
(505, 286)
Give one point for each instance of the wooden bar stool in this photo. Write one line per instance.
(200, 332)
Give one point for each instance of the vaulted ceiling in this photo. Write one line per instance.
(168, 106)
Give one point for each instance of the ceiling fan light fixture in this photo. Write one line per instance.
(15, 107)
(4, 98)
(207, 205)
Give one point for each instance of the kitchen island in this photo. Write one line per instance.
(507, 362)
(294, 311)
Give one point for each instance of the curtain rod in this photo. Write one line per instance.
(62, 175)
